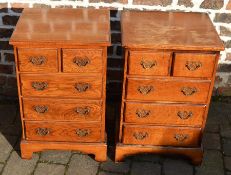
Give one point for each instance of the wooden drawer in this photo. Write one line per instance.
(194, 65)
(164, 114)
(63, 131)
(165, 136)
(167, 90)
(149, 63)
(61, 86)
(61, 109)
(37, 60)
(82, 60)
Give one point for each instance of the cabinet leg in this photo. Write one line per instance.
(119, 155)
(196, 159)
(26, 153)
(101, 155)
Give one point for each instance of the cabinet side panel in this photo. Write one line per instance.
(210, 90)
(19, 90)
(123, 98)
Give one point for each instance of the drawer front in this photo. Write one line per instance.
(61, 109)
(149, 63)
(167, 90)
(164, 114)
(194, 65)
(164, 136)
(82, 60)
(37, 60)
(61, 131)
(61, 86)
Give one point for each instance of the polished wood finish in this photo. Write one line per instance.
(38, 60)
(167, 90)
(97, 149)
(61, 60)
(161, 136)
(82, 60)
(73, 86)
(123, 151)
(169, 30)
(149, 63)
(61, 27)
(164, 114)
(62, 109)
(194, 65)
(165, 111)
(62, 131)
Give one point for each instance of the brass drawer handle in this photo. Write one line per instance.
(185, 114)
(81, 62)
(187, 91)
(82, 87)
(41, 109)
(142, 113)
(42, 131)
(39, 86)
(37, 60)
(145, 89)
(83, 110)
(140, 135)
(193, 65)
(148, 64)
(181, 137)
(83, 132)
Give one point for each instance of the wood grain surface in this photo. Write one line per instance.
(169, 30)
(164, 114)
(62, 109)
(165, 136)
(82, 60)
(164, 90)
(62, 86)
(38, 60)
(194, 65)
(61, 131)
(149, 63)
(58, 27)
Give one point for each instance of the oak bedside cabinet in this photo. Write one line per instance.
(170, 65)
(61, 57)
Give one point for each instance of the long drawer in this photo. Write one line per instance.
(63, 131)
(61, 86)
(61, 109)
(164, 114)
(161, 136)
(167, 90)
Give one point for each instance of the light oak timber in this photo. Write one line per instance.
(165, 114)
(97, 149)
(162, 111)
(122, 151)
(61, 74)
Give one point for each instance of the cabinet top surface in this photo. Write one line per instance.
(74, 26)
(169, 30)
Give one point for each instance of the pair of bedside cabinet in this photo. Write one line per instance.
(169, 72)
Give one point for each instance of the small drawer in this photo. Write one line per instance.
(37, 60)
(61, 109)
(61, 86)
(149, 63)
(82, 60)
(61, 131)
(194, 65)
(164, 114)
(168, 90)
(161, 136)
